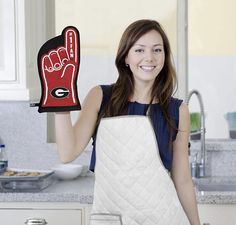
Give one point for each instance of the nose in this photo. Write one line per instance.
(149, 56)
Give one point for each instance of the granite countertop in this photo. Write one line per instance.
(81, 190)
(216, 197)
(78, 190)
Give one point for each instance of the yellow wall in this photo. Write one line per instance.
(101, 23)
(212, 27)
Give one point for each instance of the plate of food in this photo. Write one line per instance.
(25, 179)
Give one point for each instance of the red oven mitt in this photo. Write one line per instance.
(58, 66)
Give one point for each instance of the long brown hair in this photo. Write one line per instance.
(164, 84)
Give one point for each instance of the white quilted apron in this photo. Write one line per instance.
(132, 187)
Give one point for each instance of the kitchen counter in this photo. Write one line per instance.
(212, 197)
(216, 197)
(81, 190)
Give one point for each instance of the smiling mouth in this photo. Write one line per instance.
(148, 68)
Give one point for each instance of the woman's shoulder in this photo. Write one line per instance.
(99, 95)
(106, 92)
(93, 98)
(99, 90)
(175, 101)
(183, 110)
(95, 92)
(179, 104)
(106, 88)
(175, 106)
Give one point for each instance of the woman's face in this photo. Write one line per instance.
(146, 57)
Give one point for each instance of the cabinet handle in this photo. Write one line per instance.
(35, 221)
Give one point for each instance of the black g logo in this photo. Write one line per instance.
(60, 92)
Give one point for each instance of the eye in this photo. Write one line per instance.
(139, 50)
(157, 50)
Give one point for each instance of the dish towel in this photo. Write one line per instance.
(130, 179)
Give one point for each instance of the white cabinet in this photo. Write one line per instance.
(215, 214)
(56, 213)
(24, 26)
(7, 41)
(50, 216)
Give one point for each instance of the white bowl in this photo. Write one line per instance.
(85, 171)
(67, 171)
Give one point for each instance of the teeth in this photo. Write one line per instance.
(148, 68)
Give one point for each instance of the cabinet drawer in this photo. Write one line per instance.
(215, 214)
(51, 216)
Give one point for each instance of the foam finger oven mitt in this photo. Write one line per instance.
(58, 66)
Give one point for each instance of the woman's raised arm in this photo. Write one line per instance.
(72, 139)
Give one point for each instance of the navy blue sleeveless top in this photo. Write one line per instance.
(159, 124)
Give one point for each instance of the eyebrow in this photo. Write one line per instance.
(153, 45)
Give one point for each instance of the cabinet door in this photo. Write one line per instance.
(51, 216)
(24, 26)
(7, 42)
(217, 214)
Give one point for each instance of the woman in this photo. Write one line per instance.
(145, 86)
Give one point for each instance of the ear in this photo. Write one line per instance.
(126, 60)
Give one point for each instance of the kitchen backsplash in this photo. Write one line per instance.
(220, 156)
(24, 132)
